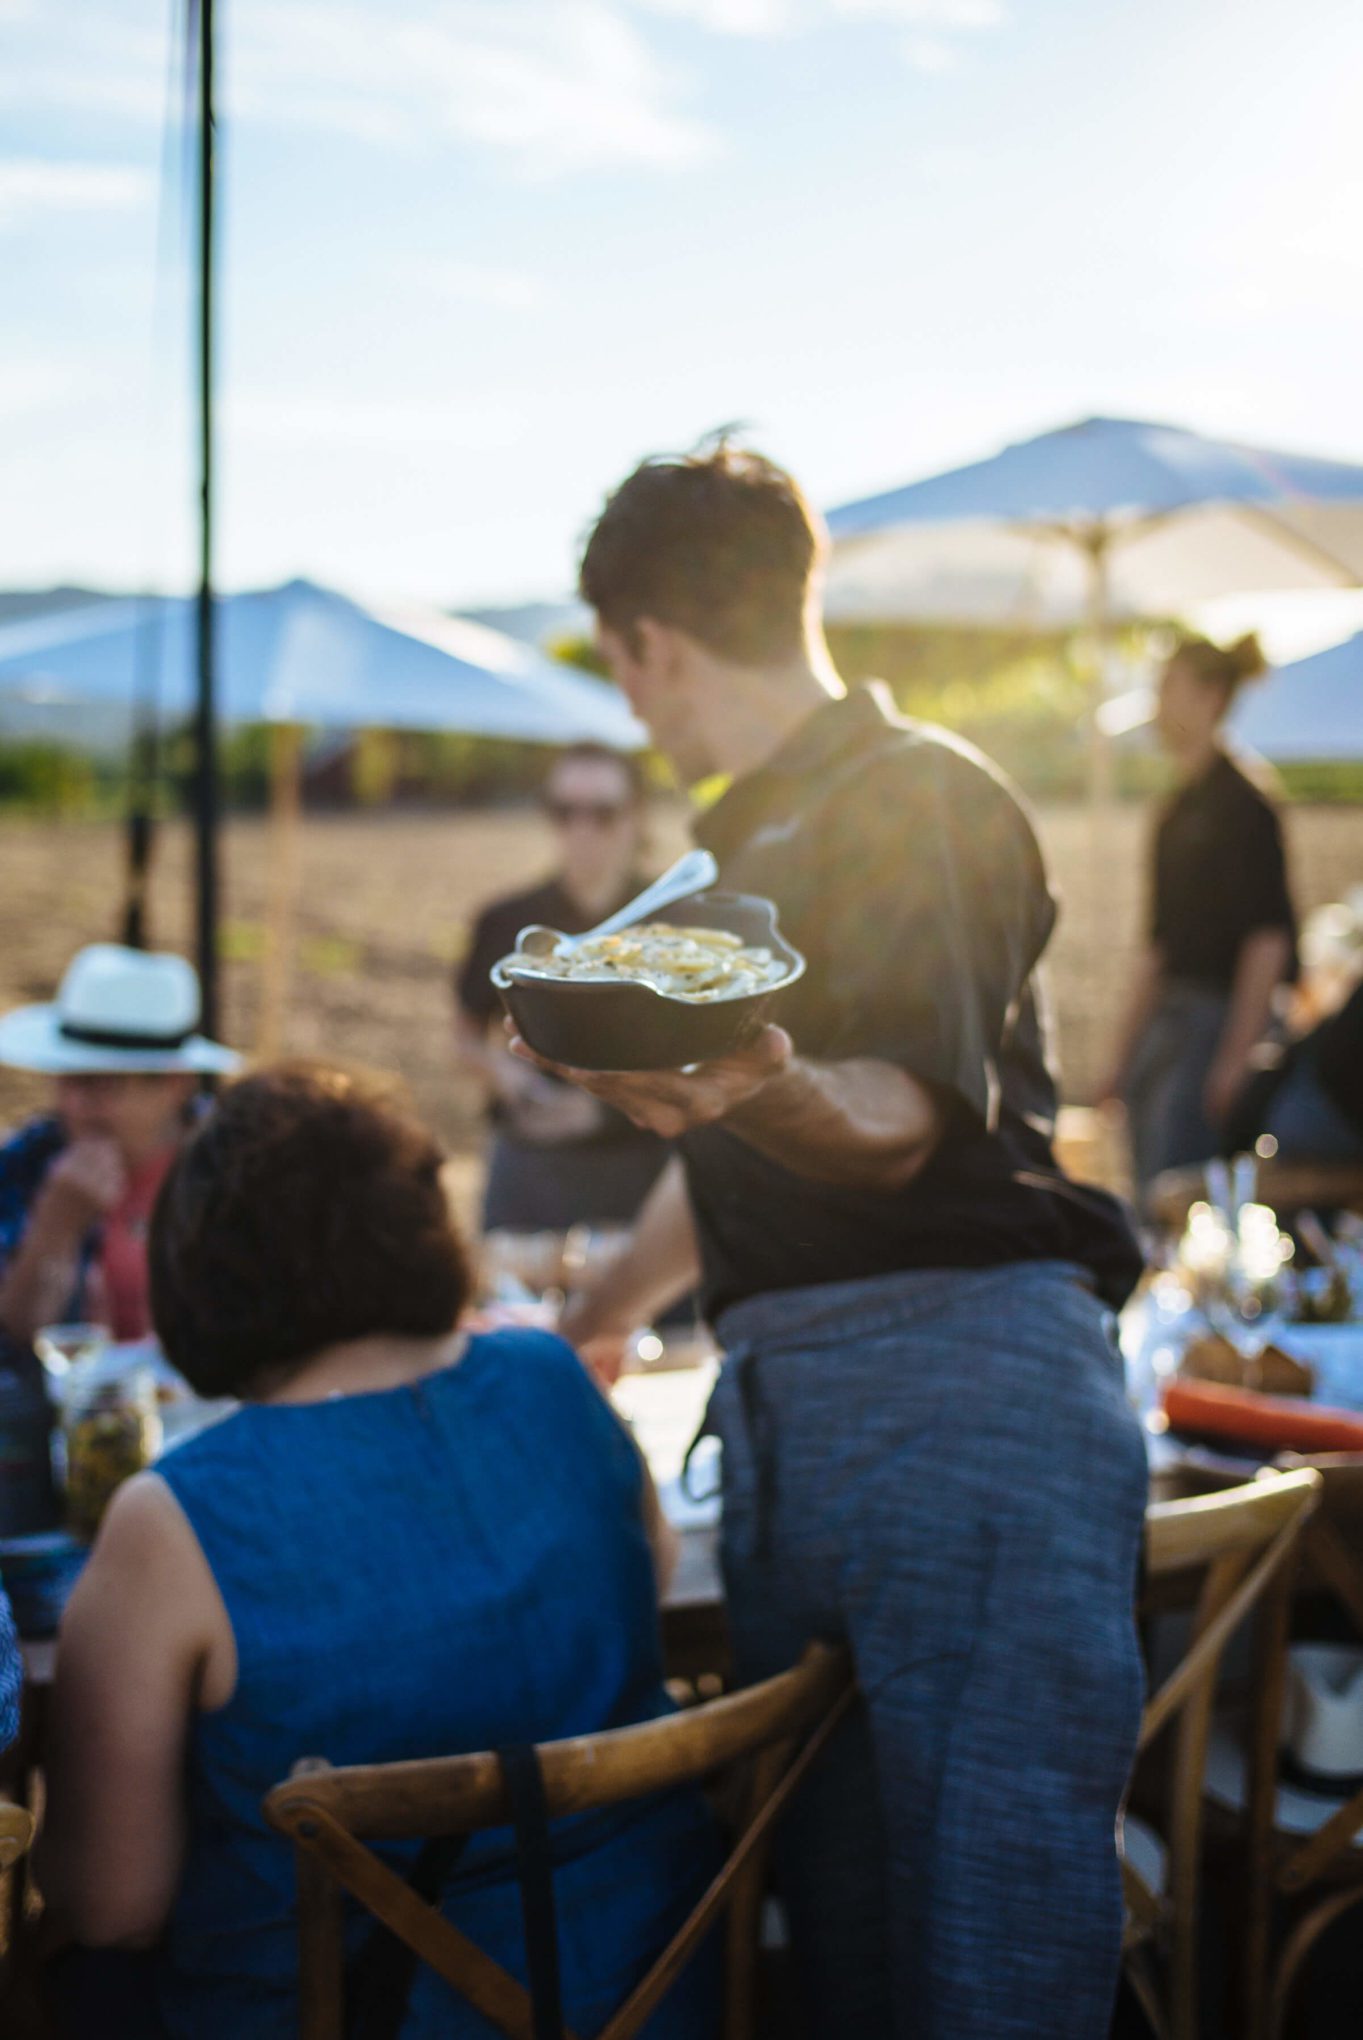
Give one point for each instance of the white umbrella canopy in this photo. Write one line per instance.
(1108, 518)
(301, 653)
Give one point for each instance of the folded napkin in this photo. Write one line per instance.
(1277, 1422)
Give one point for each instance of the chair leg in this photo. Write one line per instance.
(321, 1950)
(1269, 1642)
(1140, 1975)
(1299, 1946)
(743, 1926)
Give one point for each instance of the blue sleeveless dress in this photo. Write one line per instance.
(444, 1567)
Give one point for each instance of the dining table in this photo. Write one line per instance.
(664, 1405)
(663, 1393)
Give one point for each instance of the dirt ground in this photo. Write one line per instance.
(385, 902)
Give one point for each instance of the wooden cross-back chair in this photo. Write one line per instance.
(1303, 1853)
(16, 1837)
(1239, 1542)
(778, 1727)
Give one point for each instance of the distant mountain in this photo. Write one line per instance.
(535, 623)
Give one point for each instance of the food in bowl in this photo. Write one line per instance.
(700, 964)
(600, 1019)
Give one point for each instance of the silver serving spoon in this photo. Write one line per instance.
(694, 873)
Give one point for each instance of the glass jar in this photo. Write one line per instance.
(112, 1430)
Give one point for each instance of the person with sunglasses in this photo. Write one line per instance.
(559, 1157)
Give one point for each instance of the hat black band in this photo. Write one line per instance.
(107, 1037)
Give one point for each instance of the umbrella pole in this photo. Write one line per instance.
(1101, 787)
(205, 714)
(286, 754)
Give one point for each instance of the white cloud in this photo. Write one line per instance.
(554, 85)
(727, 17)
(779, 17)
(485, 283)
(31, 387)
(102, 57)
(950, 16)
(932, 54)
(303, 418)
(551, 86)
(31, 186)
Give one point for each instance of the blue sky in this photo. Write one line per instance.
(479, 255)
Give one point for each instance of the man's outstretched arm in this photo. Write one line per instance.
(659, 1265)
(862, 1122)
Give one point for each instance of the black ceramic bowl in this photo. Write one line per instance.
(633, 1027)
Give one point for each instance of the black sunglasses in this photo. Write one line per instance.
(603, 814)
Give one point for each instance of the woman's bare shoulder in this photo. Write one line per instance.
(148, 1572)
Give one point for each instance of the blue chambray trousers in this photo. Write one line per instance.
(940, 1468)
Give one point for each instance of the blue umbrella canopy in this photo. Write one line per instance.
(1108, 517)
(1310, 712)
(305, 654)
(1307, 713)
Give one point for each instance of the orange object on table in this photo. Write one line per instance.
(1277, 1422)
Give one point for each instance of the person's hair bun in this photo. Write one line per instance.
(1246, 656)
(1224, 667)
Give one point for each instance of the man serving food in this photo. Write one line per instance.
(927, 1447)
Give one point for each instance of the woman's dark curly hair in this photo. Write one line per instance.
(307, 1210)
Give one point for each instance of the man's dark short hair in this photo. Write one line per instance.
(308, 1210)
(719, 543)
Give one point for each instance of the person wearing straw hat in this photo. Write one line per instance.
(77, 1185)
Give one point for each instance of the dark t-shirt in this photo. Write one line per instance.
(1220, 875)
(1338, 1049)
(907, 873)
(494, 936)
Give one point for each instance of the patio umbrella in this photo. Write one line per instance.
(302, 654)
(1310, 712)
(1105, 519)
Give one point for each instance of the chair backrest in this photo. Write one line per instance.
(1332, 1562)
(778, 1728)
(16, 1836)
(1239, 1541)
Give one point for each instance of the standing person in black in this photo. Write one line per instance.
(1309, 1099)
(1222, 931)
(927, 1449)
(559, 1158)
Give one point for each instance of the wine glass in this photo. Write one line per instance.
(62, 1347)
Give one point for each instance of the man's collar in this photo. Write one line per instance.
(840, 725)
(835, 726)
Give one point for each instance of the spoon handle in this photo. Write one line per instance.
(693, 873)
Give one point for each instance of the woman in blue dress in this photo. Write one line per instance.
(11, 1675)
(405, 1543)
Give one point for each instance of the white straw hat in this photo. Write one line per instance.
(117, 1009)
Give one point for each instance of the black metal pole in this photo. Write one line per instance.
(205, 720)
(144, 777)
